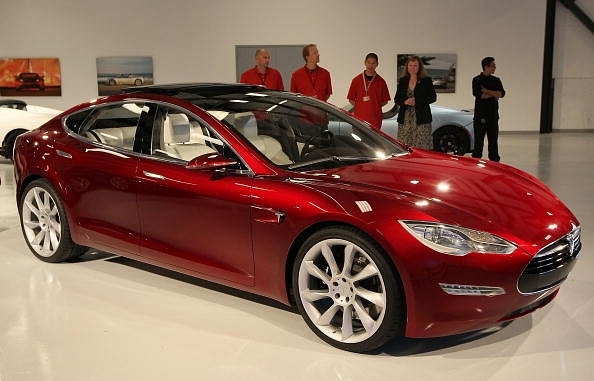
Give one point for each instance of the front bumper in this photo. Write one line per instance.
(452, 295)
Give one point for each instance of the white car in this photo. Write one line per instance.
(17, 117)
(122, 79)
(451, 128)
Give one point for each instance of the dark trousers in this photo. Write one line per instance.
(490, 128)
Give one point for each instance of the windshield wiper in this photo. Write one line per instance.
(335, 159)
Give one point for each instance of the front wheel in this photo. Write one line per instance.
(346, 291)
(9, 142)
(44, 224)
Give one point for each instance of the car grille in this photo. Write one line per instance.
(551, 265)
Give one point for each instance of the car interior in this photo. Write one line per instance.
(247, 125)
(182, 139)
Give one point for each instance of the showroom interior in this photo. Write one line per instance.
(106, 319)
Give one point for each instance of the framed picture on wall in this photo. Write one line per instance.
(30, 77)
(441, 67)
(117, 73)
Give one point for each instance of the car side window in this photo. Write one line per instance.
(180, 136)
(112, 125)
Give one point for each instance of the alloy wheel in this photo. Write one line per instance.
(342, 290)
(41, 221)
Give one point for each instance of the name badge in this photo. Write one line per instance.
(366, 98)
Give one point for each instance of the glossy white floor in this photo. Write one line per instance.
(105, 318)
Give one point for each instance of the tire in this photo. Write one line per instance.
(450, 139)
(111, 82)
(9, 141)
(339, 269)
(138, 82)
(44, 224)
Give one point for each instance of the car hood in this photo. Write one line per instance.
(462, 191)
(446, 114)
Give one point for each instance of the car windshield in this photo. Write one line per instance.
(297, 132)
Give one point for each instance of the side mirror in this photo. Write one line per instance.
(210, 161)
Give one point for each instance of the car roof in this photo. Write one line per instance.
(198, 89)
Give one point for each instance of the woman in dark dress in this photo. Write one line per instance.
(414, 94)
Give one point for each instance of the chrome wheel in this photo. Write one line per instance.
(44, 224)
(347, 293)
(41, 222)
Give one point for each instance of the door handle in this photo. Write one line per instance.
(153, 175)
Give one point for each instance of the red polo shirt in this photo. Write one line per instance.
(369, 96)
(271, 79)
(314, 83)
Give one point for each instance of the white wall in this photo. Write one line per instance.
(573, 70)
(193, 40)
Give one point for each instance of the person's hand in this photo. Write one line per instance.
(409, 101)
(486, 93)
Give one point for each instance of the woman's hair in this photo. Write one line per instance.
(422, 72)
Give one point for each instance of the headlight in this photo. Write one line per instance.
(456, 240)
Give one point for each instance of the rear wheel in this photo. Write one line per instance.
(346, 291)
(450, 139)
(44, 224)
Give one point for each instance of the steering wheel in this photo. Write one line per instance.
(316, 142)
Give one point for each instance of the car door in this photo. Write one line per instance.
(194, 220)
(100, 172)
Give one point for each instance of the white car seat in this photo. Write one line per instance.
(177, 138)
(247, 125)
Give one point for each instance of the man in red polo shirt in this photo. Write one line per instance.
(368, 93)
(311, 79)
(262, 74)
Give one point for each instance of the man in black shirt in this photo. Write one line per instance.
(487, 89)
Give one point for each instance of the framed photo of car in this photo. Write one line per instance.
(30, 77)
(441, 67)
(116, 73)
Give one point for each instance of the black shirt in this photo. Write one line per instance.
(424, 96)
(486, 108)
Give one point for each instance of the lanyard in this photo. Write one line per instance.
(367, 86)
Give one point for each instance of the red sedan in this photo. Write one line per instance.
(30, 81)
(291, 198)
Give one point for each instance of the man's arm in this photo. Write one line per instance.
(497, 92)
(476, 87)
(486, 93)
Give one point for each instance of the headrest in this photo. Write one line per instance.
(180, 128)
(245, 123)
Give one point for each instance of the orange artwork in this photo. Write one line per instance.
(30, 76)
